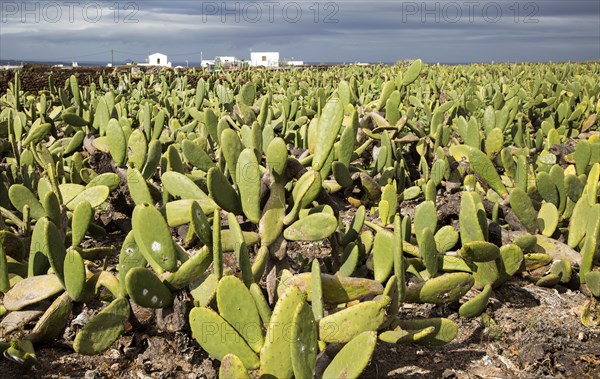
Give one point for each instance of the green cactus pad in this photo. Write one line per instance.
(353, 358)
(231, 147)
(196, 156)
(479, 251)
(20, 196)
(74, 273)
(137, 147)
(116, 141)
(547, 219)
(53, 321)
(536, 260)
(444, 289)
(549, 280)
(547, 189)
(153, 237)
(353, 230)
(305, 191)
(275, 356)
(578, 222)
(412, 73)
(52, 246)
(82, 217)
(475, 306)
(138, 188)
(398, 335)
(338, 290)
(228, 242)
(303, 342)
(146, 289)
(425, 217)
(248, 181)
(512, 258)
(218, 338)
(341, 174)
(204, 289)
(237, 307)
(522, 206)
(95, 195)
(472, 218)
(277, 157)
(446, 238)
(232, 368)
(191, 269)
(201, 225)
(109, 179)
(592, 280)
(342, 326)
(130, 257)
(261, 303)
(445, 330)
(563, 270)
(451, 263)
(316, 290)
(104, 329)
(573, 187)
(328, 128)
(350, 260)
(222, 192)
(485, 169)
(526, 242)
(383, 257)
(152, 159)
(181, 186)
(271, 222)
(313, 227)
(52, 206)
(178, 211)
(429, 253)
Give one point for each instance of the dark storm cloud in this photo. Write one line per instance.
(346, 30)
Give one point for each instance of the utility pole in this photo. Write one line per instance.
(112, 57)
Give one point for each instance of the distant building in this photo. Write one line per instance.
(226, 62)
(207, 63)
(264, 59)
(294, 63)
(157, 59)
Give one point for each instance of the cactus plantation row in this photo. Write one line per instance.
(351, 164)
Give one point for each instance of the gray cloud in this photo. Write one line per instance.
(315, 31)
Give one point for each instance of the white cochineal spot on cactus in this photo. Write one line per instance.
(145, 292)
(156, 246)
(129, 251)
(154, 299)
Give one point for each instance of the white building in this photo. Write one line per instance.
(207, 63)
(294, 63)
(265, 59)
(225, 61)
(157, 59)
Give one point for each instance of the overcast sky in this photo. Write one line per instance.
(313, 31)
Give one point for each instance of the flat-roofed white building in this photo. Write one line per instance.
(225, 61)
(265, 59)
(158, 59)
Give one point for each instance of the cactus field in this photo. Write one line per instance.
(379, 221)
